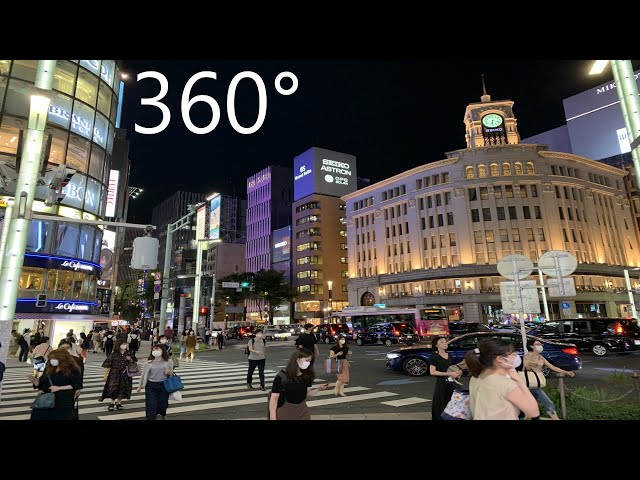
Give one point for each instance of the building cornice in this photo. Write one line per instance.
(584, 161)
(400, 176)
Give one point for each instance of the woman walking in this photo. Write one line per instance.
(292, 386)
(439, 363)
(340, 351)
(191, 343)
(108, 343)
(155, 372)
(62, 377)
(118, 384)
(40, 356)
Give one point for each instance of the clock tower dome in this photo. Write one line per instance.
(490, 123)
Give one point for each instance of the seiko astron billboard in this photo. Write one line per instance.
(325, 172)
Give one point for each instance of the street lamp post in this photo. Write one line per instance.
(330, 283)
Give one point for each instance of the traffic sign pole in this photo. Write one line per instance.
(516, 279)
(544, 297)
(634, 314)
(556, 260)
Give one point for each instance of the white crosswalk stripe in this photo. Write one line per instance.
(209, 386)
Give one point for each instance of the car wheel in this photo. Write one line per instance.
(599, 349)
(327, 340)
(415, 367)
(388, 342)
(359, 342)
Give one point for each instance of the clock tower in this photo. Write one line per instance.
(490, 123)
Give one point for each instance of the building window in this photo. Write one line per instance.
(486, 214)
(418, 184)
(506, 169)
(423, 223)
(438, 200)
(475, 216)
(489, 236)
(433, 241)
(508, 191)
(447, 198)
(526, 212)
(569, 213)
(534, 191)
(515, 234)
(541, 234)
(497, 191)
(431, 225)
(421, 202)
(473, 194)
(512, 213)
(530, 170)
(518, 168)
(445, 177)
(429, 202)
(484, 193)
(564, 235)
(470, 173)
(454, 261)
(530, 234)
(494, 170)
(538, 213)
(477, 236)
(442, 244)
(440, 220)
(561, 212)
(504, 236)
(482, 171)
(450, 218)
(452, 240)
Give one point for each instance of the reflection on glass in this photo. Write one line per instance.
(100, 130)
(25, 69)
(66, 239)
(60, 109)
(107, 70)
(78, 153)
(87, 88)
(31, 278)
(17, 101)
(37, 235)
(104, 99)
(3, 88)
(58, 146)
(64, 78)
(4, 67)
(92, 196)
(74, 191)
(86, 242)
(8, 138)
(97, 162)
(82, 120)
(97, 246)
(114, 109)
(91, 65)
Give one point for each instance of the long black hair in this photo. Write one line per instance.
(292, 369)
(490, 348)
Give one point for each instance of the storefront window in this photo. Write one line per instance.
(82, 120)
(91, 65)
(104, 98)
(31, 278)
(25, 69)
(100, 130)
(64, 78)
(78, 154)
(110, 141)
(97, 162)
(17, 101)
(4, 67)
(97, 246)
(66, 241)
(58, 146)
(37, 235)
(92, 196)
(106, 71)
(60, 110)
(86, 242)
(9, 137)
(87, 88)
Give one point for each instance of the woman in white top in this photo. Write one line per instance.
(496, 391)
(155, 372)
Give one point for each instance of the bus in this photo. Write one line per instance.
(427, 322)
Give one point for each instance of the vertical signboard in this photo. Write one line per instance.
(201, 220)
(214, 218)
(112, 193)
(106, 257)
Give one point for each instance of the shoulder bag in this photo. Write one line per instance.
(45, 400)
(173, 384)
(533, 379)
(458, 407)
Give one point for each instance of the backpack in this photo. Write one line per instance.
(22, 341)
(281, 398)
(253, 342)
(134, 341)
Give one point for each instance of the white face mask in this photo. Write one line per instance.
(54, 362)
(304, 364)
(341, 342)
(258, 336)
(163, 341)
(515, 363)
(538, 348)
(123, 347)
(156, 353)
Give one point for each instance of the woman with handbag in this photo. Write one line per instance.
(156, 370)
(534, 378)
(40, 356)
(439, 364)
(119, 384)
(62, 378)
(339, 353)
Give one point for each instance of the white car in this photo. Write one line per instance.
(276, 334)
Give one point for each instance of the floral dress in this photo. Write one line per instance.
(118, 384)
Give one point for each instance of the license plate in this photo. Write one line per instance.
(409, 337)
(637, 342)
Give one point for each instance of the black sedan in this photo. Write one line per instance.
(414, 361)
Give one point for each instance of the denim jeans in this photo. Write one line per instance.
(543, 400)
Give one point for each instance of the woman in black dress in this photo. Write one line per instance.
(61, 376)
(439, 362)
(118, 384)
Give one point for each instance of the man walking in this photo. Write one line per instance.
(308, 341)
(257, 358)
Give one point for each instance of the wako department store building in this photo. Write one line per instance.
(433, 235)
(62, 259)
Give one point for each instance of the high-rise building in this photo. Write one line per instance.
(62, 258)
(269, 196)
(319, 231)
(432, 236)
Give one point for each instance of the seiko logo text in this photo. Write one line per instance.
(281, 244)
(332, 166)
(77, 266)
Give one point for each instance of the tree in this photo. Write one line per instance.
(231, 295)
(270, 290)
(128, 301)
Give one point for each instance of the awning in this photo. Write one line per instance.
(53, 316)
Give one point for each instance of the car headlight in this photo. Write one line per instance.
(391, 356)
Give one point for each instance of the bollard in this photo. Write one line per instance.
(636, 380)
(563, 403)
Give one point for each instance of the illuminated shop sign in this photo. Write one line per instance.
(60, 263)
(623, 140)
(26, 305)
(112, 193)
(325, 172)
(78, 124)
(78, 190)
(214, 218)
(281, 244)
(258, 180)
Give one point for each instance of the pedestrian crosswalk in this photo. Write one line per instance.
(210, 387)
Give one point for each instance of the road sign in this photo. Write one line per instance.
(157, 288)
(156, 296)
(157, 282)
(523, 266)
(158, 275)
(565, 265)
(230, 285)
(509, 297)
(565, 305)
(569, 289)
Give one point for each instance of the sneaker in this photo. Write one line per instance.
(110, 408)
(249, 386)
(119, 406)
(262, 388)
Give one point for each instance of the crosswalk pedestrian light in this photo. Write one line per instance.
(244, 284)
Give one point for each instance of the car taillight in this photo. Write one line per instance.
(570, 350)
(396, 333)
(619, 329)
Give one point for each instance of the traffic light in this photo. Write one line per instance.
(244, 284)
(203, 310)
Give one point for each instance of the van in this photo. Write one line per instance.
(598, 335)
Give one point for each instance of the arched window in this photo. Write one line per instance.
(506, 169)
(367, 299)
(482, 171)
(530, 168)
(470, 173)
(494, 169)
(518, 168)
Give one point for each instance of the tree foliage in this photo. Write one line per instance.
(270, 290)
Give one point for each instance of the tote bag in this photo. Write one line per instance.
(332, 365)
(173, 384)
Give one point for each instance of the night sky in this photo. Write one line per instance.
(392, 115)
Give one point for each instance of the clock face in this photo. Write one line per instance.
(492, 120)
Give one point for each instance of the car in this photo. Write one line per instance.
(598, 335)
(414, 361)
(388, 334)
(460, 328)
(276, 333)
(329, 332)
(240, 331)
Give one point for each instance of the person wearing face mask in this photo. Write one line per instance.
(155, 372)
(292, 386)
(257, 358)
(165, 344)
(533, 362)
(439, 364)
(340, 351)
(62, 377)
(190, 343)
(118, 383)
(108, 343)
(496, 390)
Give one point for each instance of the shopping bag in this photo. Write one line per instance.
(458, 407)
(176, 396)
(29, 361)
(332, 365)
(173, 384)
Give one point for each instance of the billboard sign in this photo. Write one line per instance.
(214, 218)
(325, 172)
(112, 193)
(201, 220)
(107, 254)
(281, 244)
